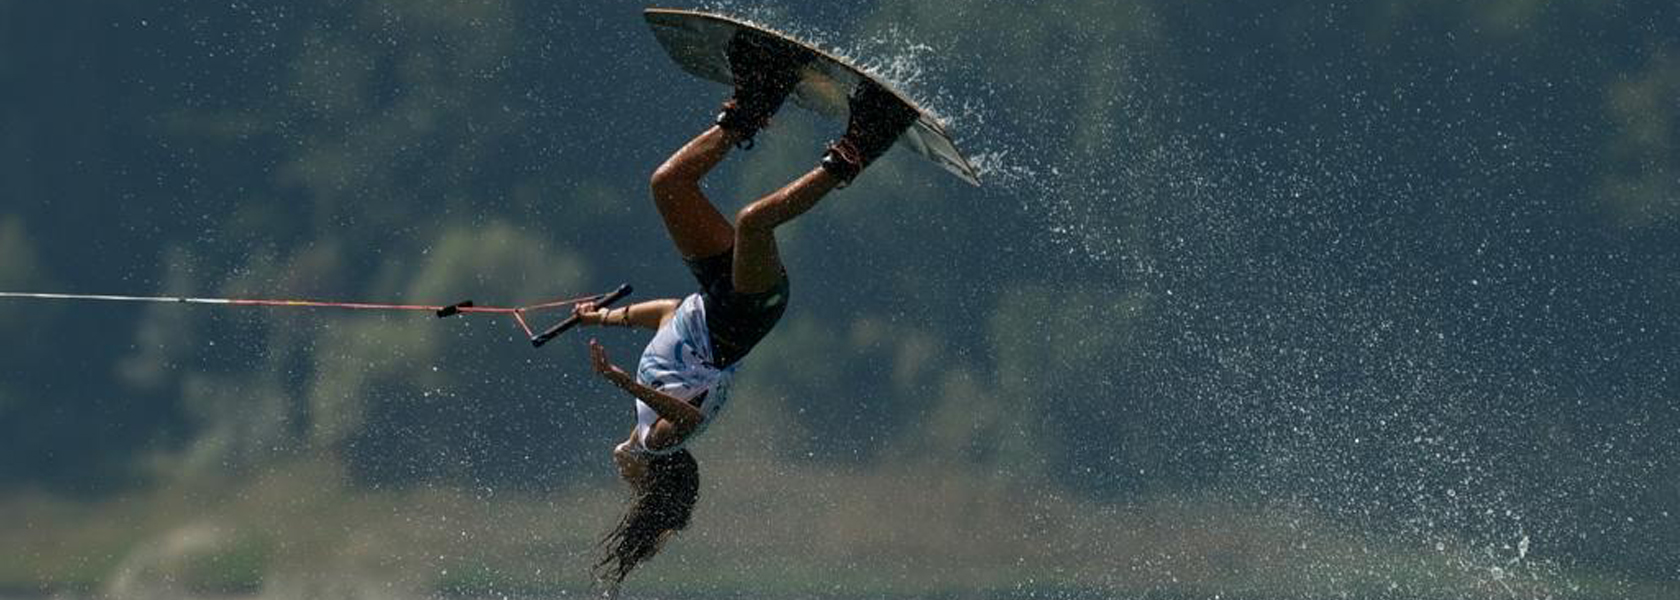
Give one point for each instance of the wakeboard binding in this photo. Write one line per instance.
(875, 119)
(765, 71)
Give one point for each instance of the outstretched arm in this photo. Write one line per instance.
(683, 417)
(649, 315)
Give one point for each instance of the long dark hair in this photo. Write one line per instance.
(659, 509)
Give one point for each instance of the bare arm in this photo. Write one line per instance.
(648, 315)
(683, 417)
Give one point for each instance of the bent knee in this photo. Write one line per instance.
(671, 178)
(755, 217)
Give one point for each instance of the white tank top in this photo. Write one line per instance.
(679, 362)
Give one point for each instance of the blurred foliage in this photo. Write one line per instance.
(1393, 274)
(18, 270)
(1643, 186)
(19, 267)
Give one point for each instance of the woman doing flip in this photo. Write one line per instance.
(681, 382)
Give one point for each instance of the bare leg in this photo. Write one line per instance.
(875, 121)
(696, 227)
(758, 267)
(699, 230)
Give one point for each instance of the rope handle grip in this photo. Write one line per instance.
(602, 301)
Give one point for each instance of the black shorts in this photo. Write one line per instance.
(735, 320)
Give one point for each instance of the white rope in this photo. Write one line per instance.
(115, 298)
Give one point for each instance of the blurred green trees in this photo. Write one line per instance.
(1259, 251)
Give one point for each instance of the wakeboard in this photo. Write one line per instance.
(697, 41)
